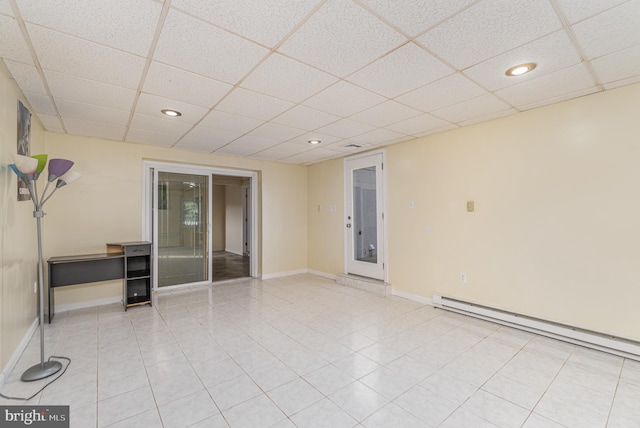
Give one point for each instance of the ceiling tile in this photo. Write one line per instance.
(444, 92)
(577, 10)
(151, 105)
(26, 76)
(70, 55)
(5, 8)
(236, 150)
(565, 81)
(255, 142)
(415, 16)
(344, 99)
(51, 122)
(87, 91)
(13, 45)
(437, 130)
(551, 53)
(165, 126)
(252, 104)
(418, 124)
(201, 48)
(488, 117)
(248, 17)
(489, 28)
(341, 37)
(215, 138)
(305, 138)
(180, 85)
(285, 78)
(610, 31)
(122, 24)
(346, 128)
(41, 103)
(379, 136)
(619, 65)
(560, 98)
(277, 132)
(286, 149)
(620, 83)
(230, 122)
(403, 70)
(150, 137)
(310, 156)
(483, 105)
(88, 128)
(385, 114)
(348, 147)
(92, 113)
(305, 118)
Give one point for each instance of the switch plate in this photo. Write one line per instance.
(463, 277)
(470, 206)
(412, 204)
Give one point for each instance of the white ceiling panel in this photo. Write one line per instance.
(305, 138)
(92, 113)
(214, 140)
(483, 105)
(347, 146)
(346, 128)
(248, 17)
(87, 91)
(619, 65)
(577, 10)
(624, 82)
(566, 81)
(305, 118)
(177, 84)
(403, 70)
(123, 24)
(285, 78)
(215, 137)
(41, 103)
(609, 31)
(229, 122)
(151, 105)
(490, 28)
(277, 132)
(379, 136)
(488, 117)
(70, 55)
(283, 150)
(256, 142)
(165, 126)
(415, 16)
(444, 92)
(551, 53)
(13, 45)
(385, 114)
(341, 37)
(344, 99)
(243, 102)
(437, 130)
(200, 49)
(559, 98)
(27, 77)
(234, 149)
(5, 8)
(310, 156)
(87, 128)
(418, 124)
(152, 138)
(51, 122)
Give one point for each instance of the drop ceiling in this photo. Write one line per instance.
(260, 78)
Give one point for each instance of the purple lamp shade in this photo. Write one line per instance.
(58, 167)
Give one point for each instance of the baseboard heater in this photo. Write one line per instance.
(591, 339)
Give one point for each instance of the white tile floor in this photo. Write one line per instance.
(303, 351)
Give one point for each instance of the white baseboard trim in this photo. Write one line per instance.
(414, 297)
(323, 274)
(283, 274)
(18, 352)
(87, 304)
(234, 252)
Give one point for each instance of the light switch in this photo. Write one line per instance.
(412, 204)
(470, 206)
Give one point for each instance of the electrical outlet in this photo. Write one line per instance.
(463, 278)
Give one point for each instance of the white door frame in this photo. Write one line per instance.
(348, 231)
(150, 235)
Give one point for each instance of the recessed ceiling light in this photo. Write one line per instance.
(314, 142)
(520, 69)
(172, 113)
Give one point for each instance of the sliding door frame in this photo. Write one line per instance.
(150, 206)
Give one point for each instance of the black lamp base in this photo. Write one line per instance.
(41, 371)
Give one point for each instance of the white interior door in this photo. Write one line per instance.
(364, 222)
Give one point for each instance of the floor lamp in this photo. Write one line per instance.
(28, 170)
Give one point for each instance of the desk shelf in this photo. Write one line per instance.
(137, 271)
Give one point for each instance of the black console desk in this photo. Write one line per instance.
(125, 260)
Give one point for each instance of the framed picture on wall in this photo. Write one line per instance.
(24, 133)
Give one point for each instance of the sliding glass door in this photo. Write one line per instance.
(182, 221)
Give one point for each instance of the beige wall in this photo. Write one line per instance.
(557, 213)
(18, 243)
